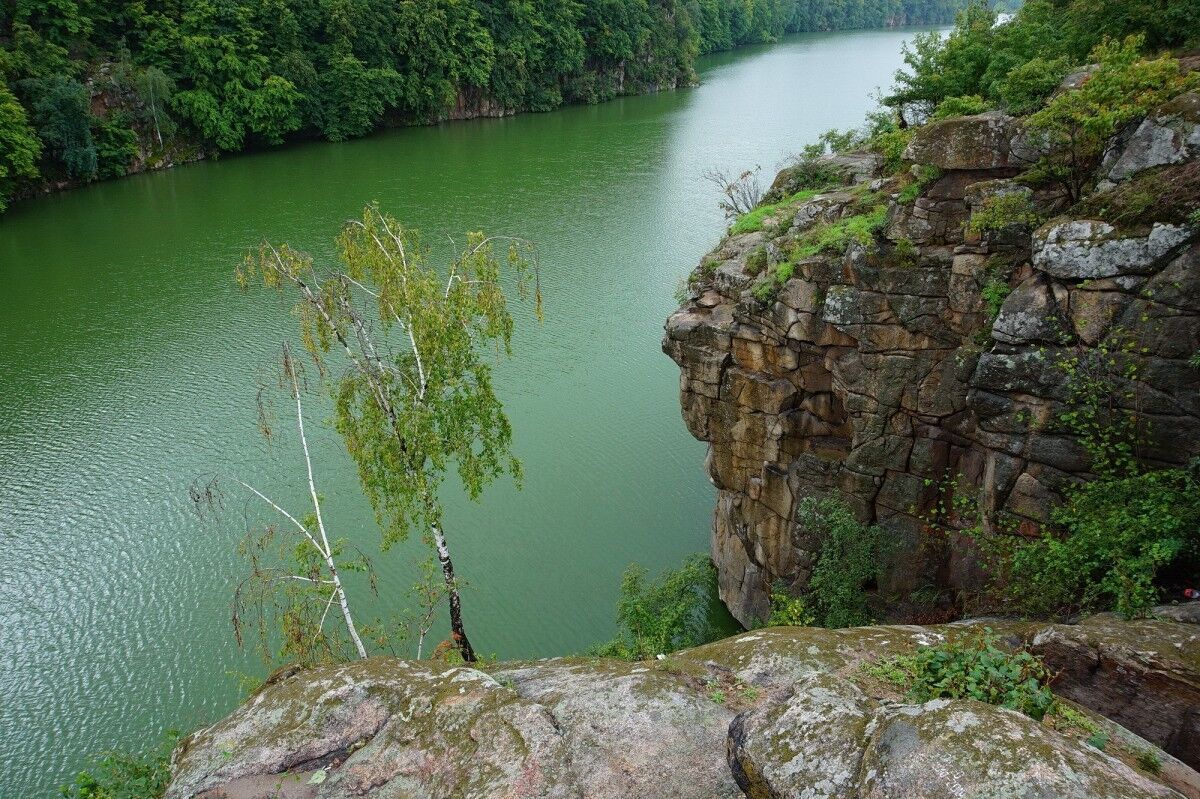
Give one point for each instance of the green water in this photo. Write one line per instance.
(129, 363)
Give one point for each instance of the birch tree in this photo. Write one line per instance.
(403, 347)
(304, 581)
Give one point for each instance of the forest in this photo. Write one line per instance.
(95, 90)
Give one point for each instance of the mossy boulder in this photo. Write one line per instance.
(1144, 674)
(780, 712)
(988, 141)
(947, 749)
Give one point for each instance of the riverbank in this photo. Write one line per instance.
(89, 99)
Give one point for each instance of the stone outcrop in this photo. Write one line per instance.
(984, 142)
(1144, 675)
(784, 712)
(1169, 136)
(933, 361)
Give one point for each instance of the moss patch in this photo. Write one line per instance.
(1170, 195)
(756, 219)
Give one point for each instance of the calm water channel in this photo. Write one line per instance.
(129, 361)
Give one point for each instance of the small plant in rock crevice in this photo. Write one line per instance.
(925, 176)
(756, 261)
(995, 291)
(981, 669)
(1001, 212)
(1150, 762)
(1102, 395)
(906, 253)
(850, 559)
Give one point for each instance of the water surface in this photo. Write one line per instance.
(129, 364)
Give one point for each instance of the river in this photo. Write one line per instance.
(129, 363)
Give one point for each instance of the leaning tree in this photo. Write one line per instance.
(404, 348)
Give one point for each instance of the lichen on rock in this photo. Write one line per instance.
(781, 712)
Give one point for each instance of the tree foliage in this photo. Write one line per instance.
(19, 146)
(1019, 63)
(231, 74)
(673, 612)
(126, 775)
(1074, 127)
(404, 345)
(1113, 542)
(63, 122)
(850, 558)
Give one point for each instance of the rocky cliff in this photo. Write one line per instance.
(934, 359)
(784, 712)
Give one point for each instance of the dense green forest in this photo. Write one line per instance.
(92, 89)
(1017, 65)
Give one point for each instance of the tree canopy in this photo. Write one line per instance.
(101, 84)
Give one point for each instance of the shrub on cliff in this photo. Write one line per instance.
(1075, 126)
(664, 615)
(1003, 211)
(850, 558)
(126, 775)
(966, 105)
(1118, 540)
(1021, 62)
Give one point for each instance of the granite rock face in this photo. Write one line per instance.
(783, 712)
(934, 357)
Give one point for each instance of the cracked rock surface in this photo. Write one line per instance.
(783, 712)
(932, 363)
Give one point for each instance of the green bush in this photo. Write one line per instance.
(1002, 212)
(961, 106)
(890, 144)
(787, 610)
(1025, 87)
(124, 775)
(851, 555)
(995, 292)
(1113, 540)
(850, 558)
(670, 613)
(979, 669)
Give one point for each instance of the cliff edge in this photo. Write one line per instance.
(912, 342)
(781, 712)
